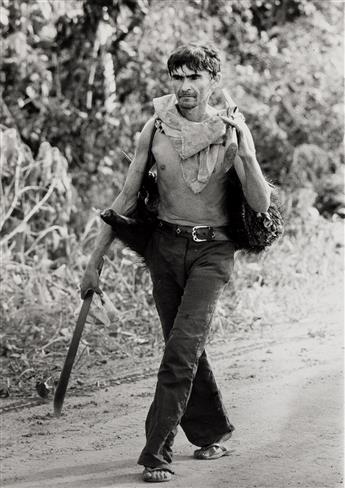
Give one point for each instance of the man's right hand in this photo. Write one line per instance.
(90, 281)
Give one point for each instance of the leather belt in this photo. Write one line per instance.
(198, 233)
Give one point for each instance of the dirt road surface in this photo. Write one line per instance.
(283, 386)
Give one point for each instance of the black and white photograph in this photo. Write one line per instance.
(172, 243)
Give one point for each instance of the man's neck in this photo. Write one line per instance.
(196, 114)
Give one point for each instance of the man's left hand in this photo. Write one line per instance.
(246, 146)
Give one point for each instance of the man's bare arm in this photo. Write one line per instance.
(126, 201)
(124, 204)
(255, 188)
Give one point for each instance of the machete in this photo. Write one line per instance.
(72, 351)
(233, 143)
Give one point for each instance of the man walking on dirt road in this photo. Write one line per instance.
(190, 256)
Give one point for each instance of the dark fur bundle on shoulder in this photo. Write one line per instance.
(248, 229)
(136, 229)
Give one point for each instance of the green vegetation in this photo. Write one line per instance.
(77, 81)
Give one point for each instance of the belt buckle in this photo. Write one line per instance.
(195, 230)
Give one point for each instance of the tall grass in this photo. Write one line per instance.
(43, 259)
(39, 304)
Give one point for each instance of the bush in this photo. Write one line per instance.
(78, 80)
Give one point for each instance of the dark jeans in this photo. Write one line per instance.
(188, 278)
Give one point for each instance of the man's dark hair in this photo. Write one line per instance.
(196, 57)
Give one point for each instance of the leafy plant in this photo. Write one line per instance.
(77, 83)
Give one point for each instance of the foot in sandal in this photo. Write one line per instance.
(157, 475)
(213, 451)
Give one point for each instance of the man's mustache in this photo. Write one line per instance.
(186, 94)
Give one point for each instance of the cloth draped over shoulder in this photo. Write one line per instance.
(197, 143)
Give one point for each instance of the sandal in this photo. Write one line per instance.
(213, 451)
(157, 475)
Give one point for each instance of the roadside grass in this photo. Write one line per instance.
(46, 237)
(40, 303)
(288, 282)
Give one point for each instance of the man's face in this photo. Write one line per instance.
(192, 88)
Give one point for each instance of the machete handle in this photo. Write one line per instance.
(231, 109)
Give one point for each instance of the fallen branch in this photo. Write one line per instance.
(53, 341)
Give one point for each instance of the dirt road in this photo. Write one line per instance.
(284, 390)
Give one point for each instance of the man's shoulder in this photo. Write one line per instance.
(146, 133)
(149, 124)
(212, 111)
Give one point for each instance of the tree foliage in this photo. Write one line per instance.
(77, 81)
(81, 75)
